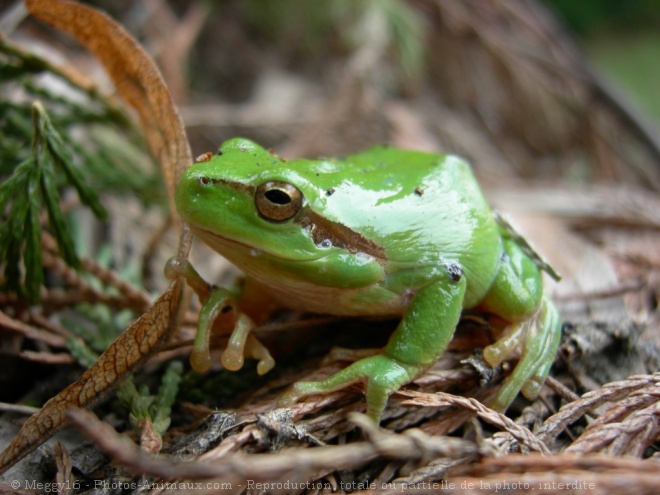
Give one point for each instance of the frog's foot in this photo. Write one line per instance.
(242, 343)
(539, 337)
(220, 313)
(382, 373)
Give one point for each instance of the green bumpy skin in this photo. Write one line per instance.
(384, 232)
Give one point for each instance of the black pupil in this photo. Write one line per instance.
(278, 197)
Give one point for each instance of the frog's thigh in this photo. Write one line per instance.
(518, 287)
(422, 335)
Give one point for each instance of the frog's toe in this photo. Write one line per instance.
(532, 387)
(265, 364)
(293, 394)
(234, 355)
(339, 380)
(517, 334)
(528, 376)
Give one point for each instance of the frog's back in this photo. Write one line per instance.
(423, 208)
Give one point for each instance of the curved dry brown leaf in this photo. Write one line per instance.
(125, 354)
(135, 75)
(138, 80)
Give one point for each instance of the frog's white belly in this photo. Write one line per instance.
(298, 295)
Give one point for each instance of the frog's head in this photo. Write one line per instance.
(258, 209)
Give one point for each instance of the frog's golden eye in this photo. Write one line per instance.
(278, 201)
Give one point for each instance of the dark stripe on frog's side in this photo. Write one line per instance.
(322, 229)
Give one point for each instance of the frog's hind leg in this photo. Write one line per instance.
(539, 337)
(517, 295)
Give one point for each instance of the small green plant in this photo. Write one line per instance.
(58, 133)
(155, 409)
(33, 187)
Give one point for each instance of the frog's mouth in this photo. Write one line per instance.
(323, 232)
(235, 250)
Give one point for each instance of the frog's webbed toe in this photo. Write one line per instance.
(539, 338)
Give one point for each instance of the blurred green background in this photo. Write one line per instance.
(622, 39)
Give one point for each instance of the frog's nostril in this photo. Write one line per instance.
(204, 181)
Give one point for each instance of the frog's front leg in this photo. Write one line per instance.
(220, 313)
(423, 334)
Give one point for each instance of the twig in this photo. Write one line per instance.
(440, 399)
(291, 464)
(588, 402)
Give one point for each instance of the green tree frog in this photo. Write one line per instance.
(383, 232)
